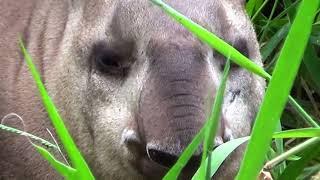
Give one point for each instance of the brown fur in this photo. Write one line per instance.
(156, 102)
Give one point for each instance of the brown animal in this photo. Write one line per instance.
(133, 86)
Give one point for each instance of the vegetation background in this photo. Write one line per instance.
(272, 20)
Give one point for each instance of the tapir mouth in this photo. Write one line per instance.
(152, 170)
(153, 160)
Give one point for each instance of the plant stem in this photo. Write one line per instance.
(272, 163)
(302, 112)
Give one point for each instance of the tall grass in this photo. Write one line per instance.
(81, 169)
(278, 90)
(296, 26)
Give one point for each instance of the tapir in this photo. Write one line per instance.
(132, 85)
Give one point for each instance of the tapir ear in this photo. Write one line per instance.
(239, 2)
(242, 2)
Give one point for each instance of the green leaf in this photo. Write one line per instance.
(279, 150)
(274, 42)
(302, 112)
(252, 6)
(294, 158)
(312, 63)
(31, 136)
(213, 120)
(278, 91)
(219, 154)
(266, 26)
(64, 170)
(74, 154)
(176, 169)
(298, 133)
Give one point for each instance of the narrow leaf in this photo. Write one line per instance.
(76, 158)
(213, 120)
(298, 133)
(220, 154)
(62, 169)
(296, 167)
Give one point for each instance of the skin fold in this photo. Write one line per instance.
(132, 85)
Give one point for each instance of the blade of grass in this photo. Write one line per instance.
(266, 27)
(302, 112)
(176, 169)
(312, 63)
(291, 13)
(287, 9)
(279, 150)
(259, 10)
(64, 170)
(252, 6)
(219, 155)
(223, 151)
(274, 42)
(278, 91)
(74, 154)
(33, 137)
(295, 168)
(298, 133)
(213, 120)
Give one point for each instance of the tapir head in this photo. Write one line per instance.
(140, 86)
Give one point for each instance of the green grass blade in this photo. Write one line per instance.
(174, 172)
(278, 91)
(312, 63)
(219, 155)
(291, 154)
(64, 170)
(291, 13)
(31, 136)
(252, 6)
(274, 42)
(298, 133)
(287, 9)
(302, 112)
(295, 167)
(74, 154)
(266, 27)
(279, 145)
(259, 10)
(213, 120)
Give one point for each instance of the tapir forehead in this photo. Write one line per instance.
(140, 18)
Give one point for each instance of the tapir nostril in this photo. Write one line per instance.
(162, 158)
(168, 160)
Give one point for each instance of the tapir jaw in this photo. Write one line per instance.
(153, 164)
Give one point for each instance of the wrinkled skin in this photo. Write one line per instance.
(133, 86)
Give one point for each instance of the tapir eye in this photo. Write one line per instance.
(241, 46)
(109, 61)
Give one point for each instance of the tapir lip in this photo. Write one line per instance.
(152, 170)
(149, 168)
